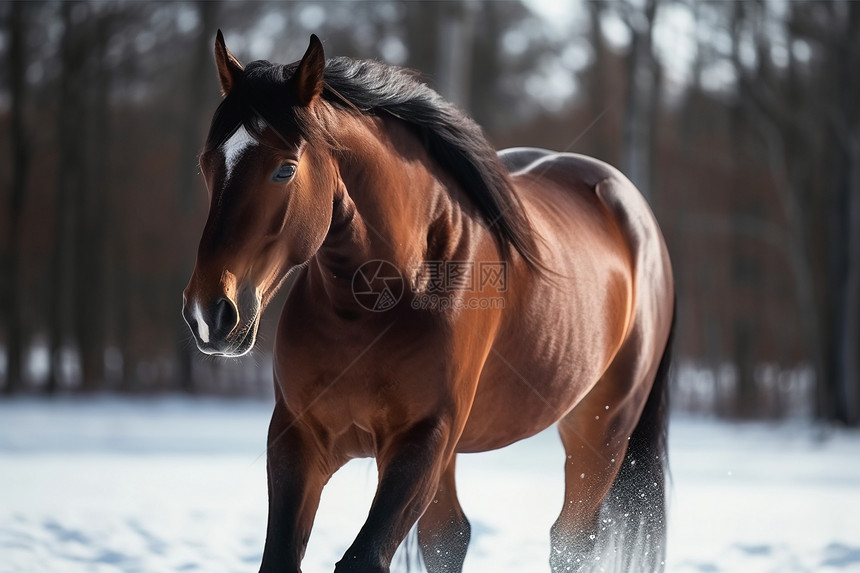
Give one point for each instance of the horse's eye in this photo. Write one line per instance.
(284, 173)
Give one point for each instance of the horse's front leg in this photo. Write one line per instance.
(410, 466)
(297, 471)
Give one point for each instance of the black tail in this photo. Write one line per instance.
(633, 515)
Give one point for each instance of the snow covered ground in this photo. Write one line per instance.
(109, 485)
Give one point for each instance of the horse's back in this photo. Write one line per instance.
(576, 167)
(540, 169)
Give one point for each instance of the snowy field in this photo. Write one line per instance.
(165, 485)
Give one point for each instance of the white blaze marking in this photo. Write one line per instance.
(202, 327)
(234, 147)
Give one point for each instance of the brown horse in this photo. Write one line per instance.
(446, 299)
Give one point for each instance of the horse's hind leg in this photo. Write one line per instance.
(594, 435)
(594, 455)
(443, 530)
(609, 429)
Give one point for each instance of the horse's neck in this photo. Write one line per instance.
(395, 204)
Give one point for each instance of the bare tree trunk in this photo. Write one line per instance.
(20, 148)
(71, 131)
(848, 408)
(796, 246)
(747, 401)
(641, 92)
(90, 291)
(596, 80)
(121, 285)
(421, 37)
(846, 58)
(456, 31)
(687, 291)
(200, 73)
(488, 22)
(791, 146)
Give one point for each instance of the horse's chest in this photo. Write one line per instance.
(348, 396)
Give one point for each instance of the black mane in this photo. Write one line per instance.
(451, 137)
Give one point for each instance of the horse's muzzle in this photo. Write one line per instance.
(216, 326)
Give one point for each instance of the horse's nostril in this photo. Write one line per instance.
(224, 317)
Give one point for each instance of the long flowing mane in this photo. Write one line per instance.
(450, 136)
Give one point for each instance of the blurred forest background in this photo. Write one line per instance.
(740, 121)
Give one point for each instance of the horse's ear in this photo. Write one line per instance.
(307, 80)
(229, 68)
